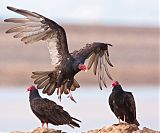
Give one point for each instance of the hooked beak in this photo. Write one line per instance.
(86, 70)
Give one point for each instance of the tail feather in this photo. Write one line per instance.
(41, 79)
(136, 122)
(43, 84)
(42, 72)
(76, 119)
(46, 80)
(45, 90)
(73, 123)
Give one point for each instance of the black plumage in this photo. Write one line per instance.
(66, 65)
(122, 104)
(48, 111)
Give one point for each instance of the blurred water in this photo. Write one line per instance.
(92, 108)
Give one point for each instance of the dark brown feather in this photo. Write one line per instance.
(41, 79)
(51, 89)
(107, 58)
(95, 64)
(91, 60)
(18, 20)
(23, 12)
(43, 84)
(46, 88)
(75, 83)
(96, 51)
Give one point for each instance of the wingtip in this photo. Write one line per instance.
(11, 8)
(111, 65)
(8, 7)
(7, 31)
(5, 20)
(110, 45)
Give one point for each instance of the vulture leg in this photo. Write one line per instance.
(119, 120)
(124, 119)
(42, 124)
(70, 95)
(69, 84)
(58, 93)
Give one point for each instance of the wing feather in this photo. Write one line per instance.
(130, 103)
(23, 12)
(24, 28)
(103, 73)
(92, 58)
(37, 27)
(99, 74)
(35, 37)
(98, 55)
(95, 64)
(106, 70)
(107, 58)
(18, 20)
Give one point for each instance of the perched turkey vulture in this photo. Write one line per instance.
(48, 111)
(122, 104)
(36, 27)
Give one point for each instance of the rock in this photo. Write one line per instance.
(116, 128)
(147, 130)
(122, 128)
(40, 130)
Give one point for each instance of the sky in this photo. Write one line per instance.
(107, 12)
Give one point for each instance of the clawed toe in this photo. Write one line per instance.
(71, 97)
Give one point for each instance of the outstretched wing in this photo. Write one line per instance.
(99, 59)
(36, 27)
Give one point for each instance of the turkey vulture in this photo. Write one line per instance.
(48, 111)
(36, 27)
(122, 104)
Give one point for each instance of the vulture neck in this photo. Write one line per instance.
(34, 94)
(117, 88)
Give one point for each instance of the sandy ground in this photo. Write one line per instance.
(134, 54)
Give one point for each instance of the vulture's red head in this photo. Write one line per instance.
(83, 67)
(115, 83)
(31, 88)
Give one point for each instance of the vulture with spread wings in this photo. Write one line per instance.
(36, 27)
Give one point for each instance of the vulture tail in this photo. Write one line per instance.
(74, 124)
(45, 80)
(136, 122)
